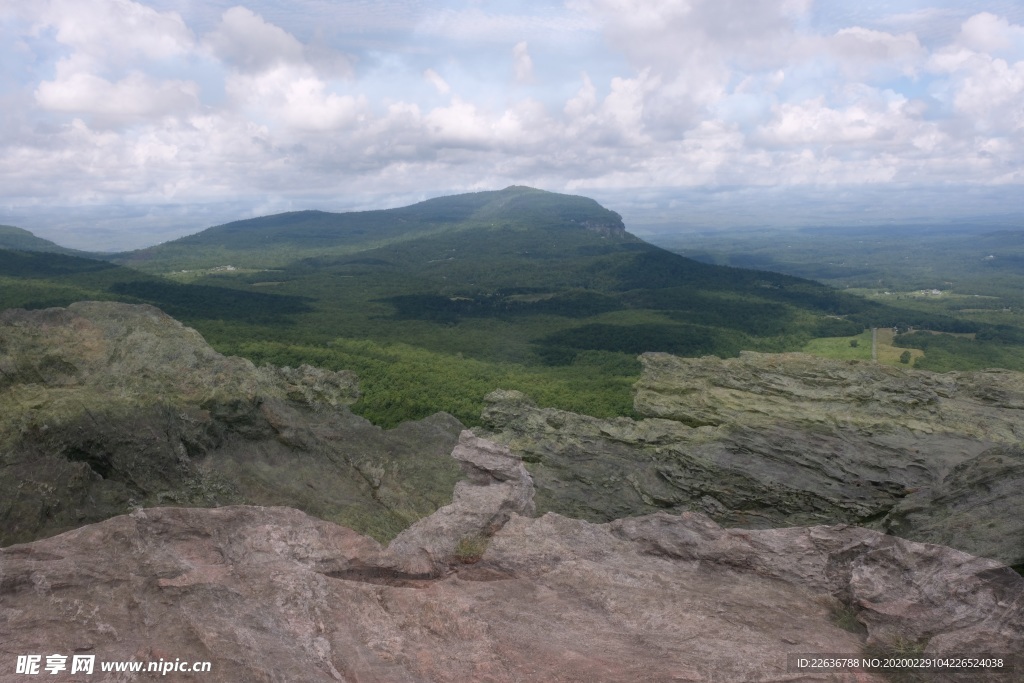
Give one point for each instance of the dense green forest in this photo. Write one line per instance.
(437, 304)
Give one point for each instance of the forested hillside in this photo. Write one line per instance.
(17, 238)
(436, 304)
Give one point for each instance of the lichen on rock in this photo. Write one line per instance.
(105, 407)
(775, 440)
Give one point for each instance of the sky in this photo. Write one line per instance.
(125, 123)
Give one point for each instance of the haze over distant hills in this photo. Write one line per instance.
(23, 240)
(514, 281)
(521, 313)
(281, 237)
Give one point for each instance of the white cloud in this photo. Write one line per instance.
(119, 102)
(107, 37)
(623, 108)
(522, 62)
(584, 101)
(437, 81)
(865, 52)
(991, 92)
(460, 124)
(987, 91)
(674, 36)
(986, 32)
(248, 42)
(132, 98)
(115, 31)
(273, 78)
(544, 22)
(813, 121)
(296, 98)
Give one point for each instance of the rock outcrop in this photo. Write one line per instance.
(271, 594)
(497, 487)
(105, 407)
(777, 440)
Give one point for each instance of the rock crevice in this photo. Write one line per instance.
(271, 594)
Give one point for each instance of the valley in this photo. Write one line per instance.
(510, 311)
(585, 341)
(437, 304)
(146, 474)
(970, 272)
(267, 422)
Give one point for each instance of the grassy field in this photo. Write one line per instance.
(841, 348)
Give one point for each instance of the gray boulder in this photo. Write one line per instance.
(105, 407)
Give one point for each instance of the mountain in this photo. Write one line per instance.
(23, 240)
(440, 302)
(278, 239)
(517, 276)
(517, 254)
(110, 411)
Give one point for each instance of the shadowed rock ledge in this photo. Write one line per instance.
(775, 440)
(105, 407)
(271, 594)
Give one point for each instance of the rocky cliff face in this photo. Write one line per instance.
(765, 441)
(106, 407)
(271, 594)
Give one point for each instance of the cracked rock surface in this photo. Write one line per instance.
(105, 407)
(775, 440)
(271, 594)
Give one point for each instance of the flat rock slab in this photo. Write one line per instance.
(271, 594)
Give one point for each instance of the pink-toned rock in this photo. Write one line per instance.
(497, 486)
(271, 594)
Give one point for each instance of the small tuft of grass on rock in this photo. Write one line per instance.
(471, 548)
(844, 616)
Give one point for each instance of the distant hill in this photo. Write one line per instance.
(436, 304)
(23, 240)
(281, 238)
(42, 279)
(542, 259)
(968, 272)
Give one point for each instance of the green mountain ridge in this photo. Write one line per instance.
(20, 239)
(438, 303)
(299, 234)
